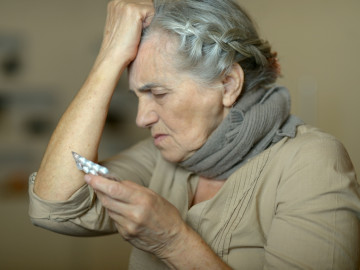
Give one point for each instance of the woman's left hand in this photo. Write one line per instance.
(142, 217)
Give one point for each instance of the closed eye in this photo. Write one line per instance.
(158, 95)
(155, 90)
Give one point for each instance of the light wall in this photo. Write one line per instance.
(317, 42)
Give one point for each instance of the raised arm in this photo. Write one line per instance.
(81, 126)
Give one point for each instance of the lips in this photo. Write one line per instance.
(158, 138)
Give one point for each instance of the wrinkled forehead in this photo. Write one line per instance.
(155, 56)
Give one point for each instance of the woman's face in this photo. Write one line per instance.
(180, 112)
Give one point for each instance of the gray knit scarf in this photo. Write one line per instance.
(259, 119)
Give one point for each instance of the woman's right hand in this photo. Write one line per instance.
(124, 23)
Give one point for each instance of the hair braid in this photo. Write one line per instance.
(214, 34)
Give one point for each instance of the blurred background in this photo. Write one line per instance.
(47, 48)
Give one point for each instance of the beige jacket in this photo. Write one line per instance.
(294, 206)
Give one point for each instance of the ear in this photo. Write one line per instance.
(233, 83)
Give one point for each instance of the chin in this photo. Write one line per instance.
(173, 158)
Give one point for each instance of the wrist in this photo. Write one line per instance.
(191, 246)
(107, 67)
(176, 248)
(115, 57)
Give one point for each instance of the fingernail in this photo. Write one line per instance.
(87, 178)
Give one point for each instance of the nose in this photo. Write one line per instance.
(146, 115)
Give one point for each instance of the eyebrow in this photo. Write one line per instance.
(148, 86)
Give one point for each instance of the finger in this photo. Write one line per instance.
(148, 14)
(124, 215)
(115, 206)
(127, 229)
(138, 211)
(103, 185)
(115, 190)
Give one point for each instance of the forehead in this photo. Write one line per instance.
(154, 60)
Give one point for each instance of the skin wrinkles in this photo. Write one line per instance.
(180, 112)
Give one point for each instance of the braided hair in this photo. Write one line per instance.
(213, 35)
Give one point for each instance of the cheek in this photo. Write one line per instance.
(178, 114)
(207, 122)
(193, 117)
(195, 126)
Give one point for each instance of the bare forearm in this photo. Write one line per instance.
(80, 130)
(81, 126)
(193, 253)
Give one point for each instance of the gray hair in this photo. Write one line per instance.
(213, 35)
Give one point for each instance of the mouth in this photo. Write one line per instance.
(158, 138)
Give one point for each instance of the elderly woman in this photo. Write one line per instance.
(229, 178)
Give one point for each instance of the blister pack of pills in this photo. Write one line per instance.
(87, 166)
